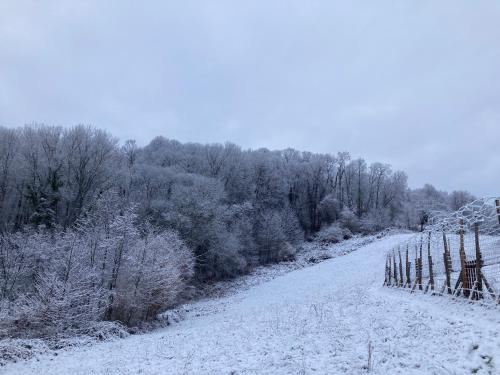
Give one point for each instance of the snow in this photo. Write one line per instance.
(309, 253)
(314, 320)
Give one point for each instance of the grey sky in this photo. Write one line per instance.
(412, 83)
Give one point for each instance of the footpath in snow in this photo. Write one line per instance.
(317, 320)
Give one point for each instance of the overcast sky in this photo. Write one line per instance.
(412, 83)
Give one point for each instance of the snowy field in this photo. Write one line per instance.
(315, 320)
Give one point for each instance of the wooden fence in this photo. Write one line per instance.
(457, 255)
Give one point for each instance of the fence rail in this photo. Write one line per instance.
(458, 254)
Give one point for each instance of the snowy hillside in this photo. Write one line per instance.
(317, 320)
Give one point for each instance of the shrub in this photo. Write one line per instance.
(333, 234)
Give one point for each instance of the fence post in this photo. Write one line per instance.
(408, 269)
(479, 264)
(395, 269)
(420, 265)
(389, 269)
(415, 282)
(429, 259)
(401, 279)
(497, 202)
(447, 261)
(385, 269)
(463, 271)
(386, 278)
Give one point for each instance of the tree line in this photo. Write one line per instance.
(93, 230)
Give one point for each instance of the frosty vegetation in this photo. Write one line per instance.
(95, 231)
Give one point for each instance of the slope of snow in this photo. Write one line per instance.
(309, 254)
(316, 320)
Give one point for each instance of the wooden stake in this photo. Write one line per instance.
(420, 266)
(395, 270)
(447, 261)
(479, 264)
(389, 269)
(385, 271)
(463, 271)
(415, 282)
(401, 278)
(429, 260)
(497, 202)
(408, 269)
(416, 263)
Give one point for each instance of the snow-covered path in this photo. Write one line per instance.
(317, 320)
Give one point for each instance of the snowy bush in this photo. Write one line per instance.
(273, 238)
(329, 208)
(333, 234)
(51, 307)
(374, 222)
(58, 283)
(155, 274)
(349, 220)
(13, 350)
(100, 331)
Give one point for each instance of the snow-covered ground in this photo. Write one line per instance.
(315, 320)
